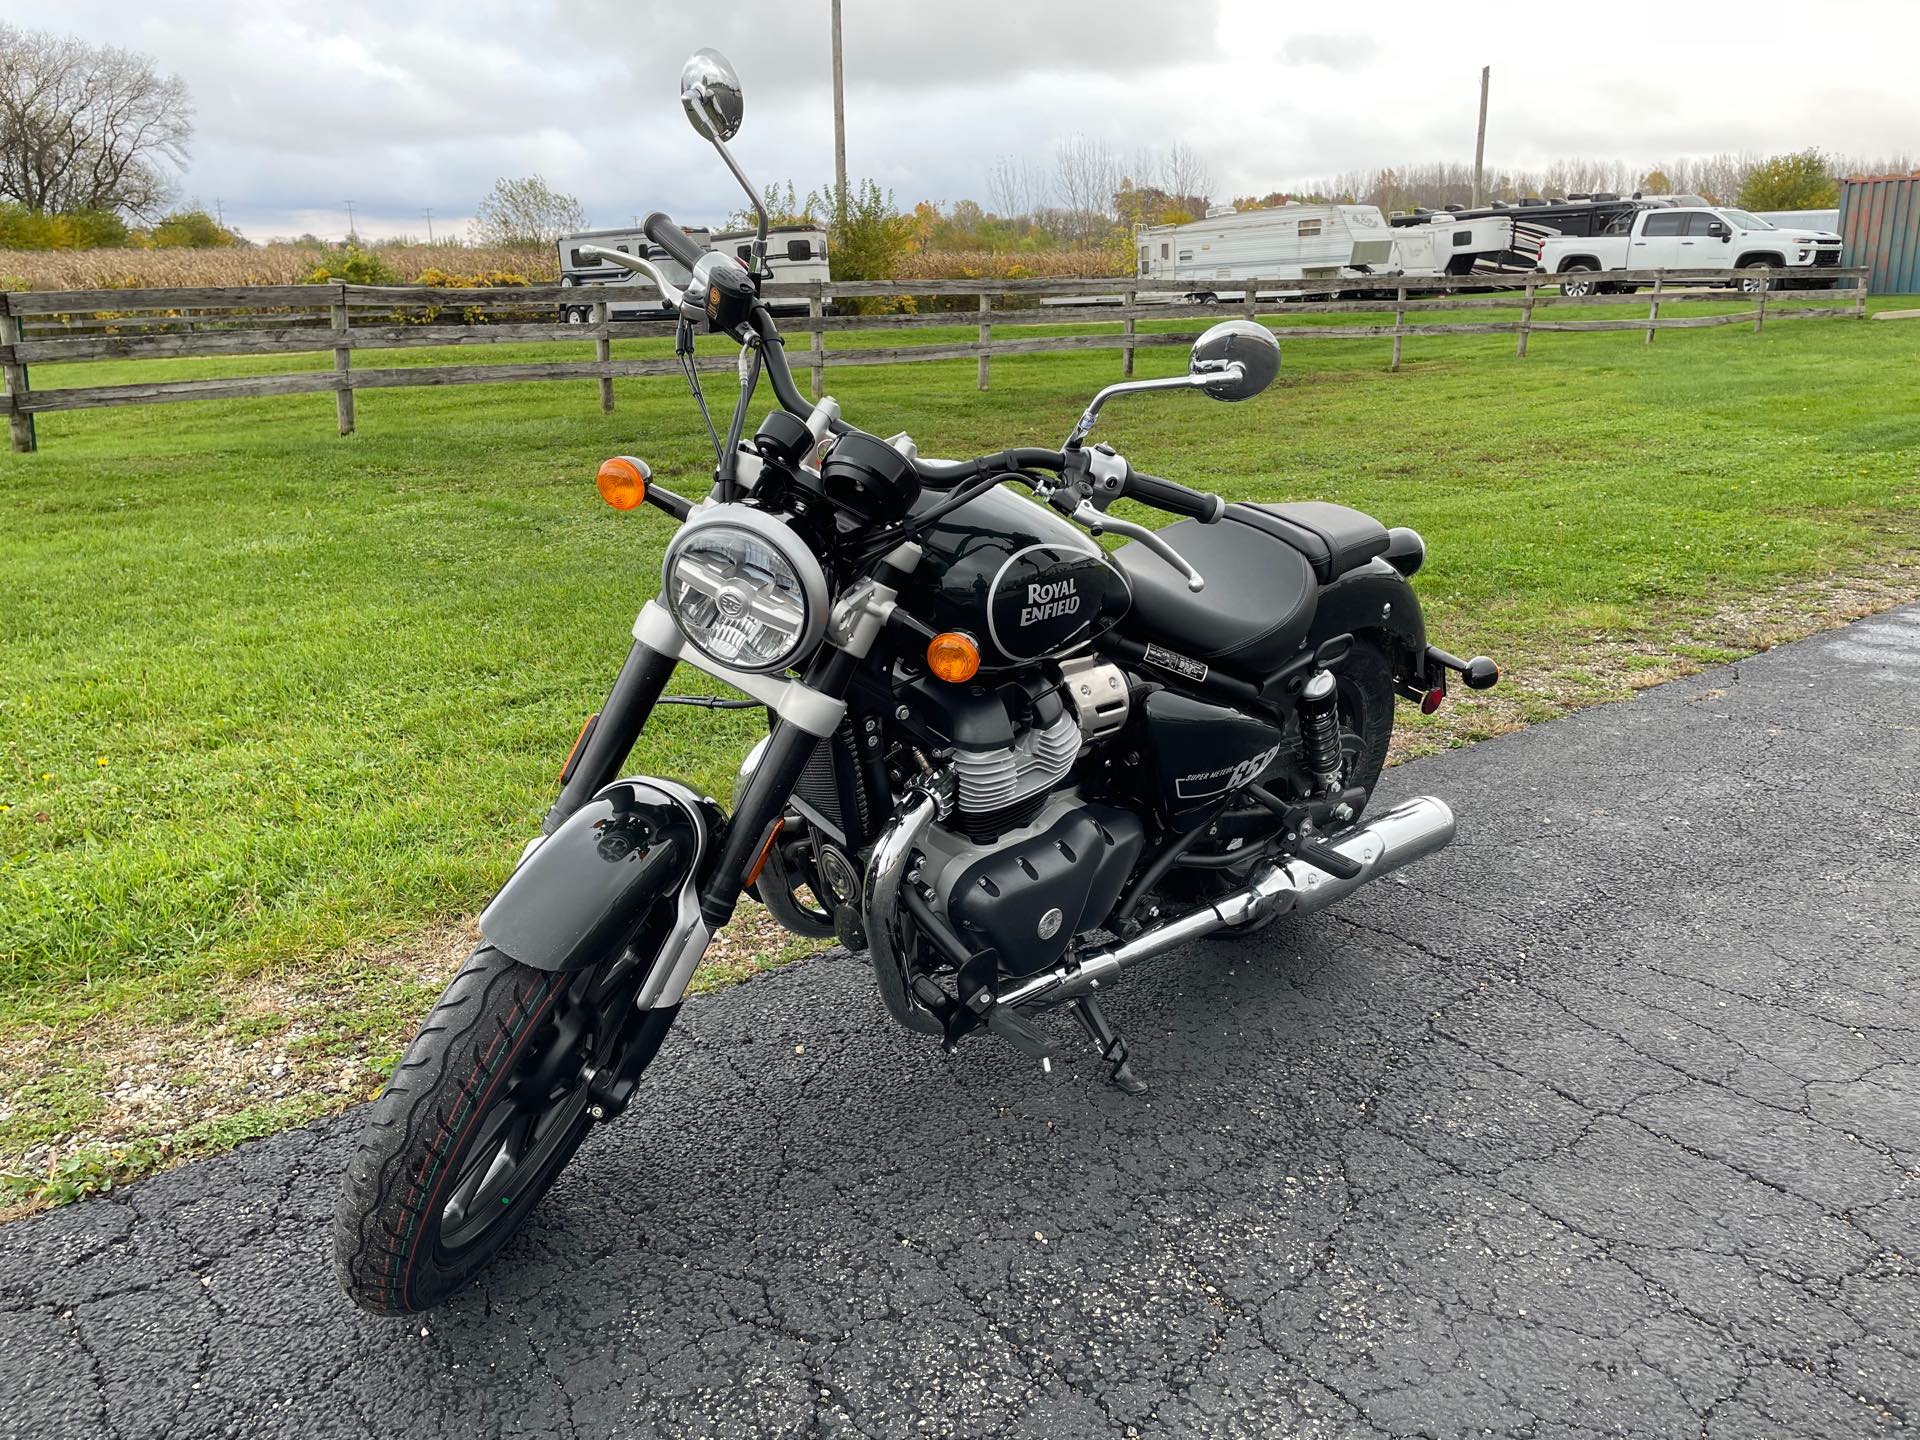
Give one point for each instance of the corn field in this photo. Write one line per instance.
(129, 268)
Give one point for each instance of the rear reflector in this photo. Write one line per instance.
(1432, 701)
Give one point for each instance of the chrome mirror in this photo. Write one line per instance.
(710, 94)
(1235, 360)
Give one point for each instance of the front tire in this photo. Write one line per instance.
(485, 1109)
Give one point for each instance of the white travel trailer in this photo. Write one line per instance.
(1198, 260)
(794, 252)
(643, 302)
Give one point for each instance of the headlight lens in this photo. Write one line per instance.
(745, 589)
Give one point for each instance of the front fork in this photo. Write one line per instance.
(805, 711)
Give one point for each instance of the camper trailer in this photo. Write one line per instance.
(640, 300)
(1200, 260)
(794, 252)
(1500, 239)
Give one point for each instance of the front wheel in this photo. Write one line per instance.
(485, 1109)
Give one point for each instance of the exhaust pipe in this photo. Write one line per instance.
(1397, 837)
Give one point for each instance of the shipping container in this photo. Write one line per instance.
(1880, 222)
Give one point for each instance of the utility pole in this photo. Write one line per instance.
(219, 215)
(839, 124)
(352, 235)
(429, 215)
(1480, 143)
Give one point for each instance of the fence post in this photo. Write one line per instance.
(1126, 349)
(817, 341)
(1653, 307)
(1760, 310)
(19, 422)
(603, 352)
(1860, 297)
(1399, 325)
(986, 331)
(1250, 301)
(1526, 323)
(343, 364)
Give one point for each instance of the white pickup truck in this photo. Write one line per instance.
(1686, 238)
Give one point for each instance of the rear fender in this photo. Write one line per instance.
(1375, 596)
(631, 854)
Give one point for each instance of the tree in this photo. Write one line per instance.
(1800, 181)
(1088, 175)
(1184, 175)
(526, 211)
(87, 127)
(1655, 182)
(191, 228)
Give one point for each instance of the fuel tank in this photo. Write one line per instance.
(1024, 582)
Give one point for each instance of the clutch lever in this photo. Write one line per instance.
(639, 265)
(1095, 522)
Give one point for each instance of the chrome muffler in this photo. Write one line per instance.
(1409, 831)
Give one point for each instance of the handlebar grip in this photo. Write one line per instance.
(1172, 495)
(662, 231)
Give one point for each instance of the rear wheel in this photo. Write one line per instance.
(1574, 283)
(486, 1108)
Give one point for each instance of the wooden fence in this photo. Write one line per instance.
(55, 327)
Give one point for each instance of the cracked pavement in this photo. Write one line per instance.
(1605, 1122)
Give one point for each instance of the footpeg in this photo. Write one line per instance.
(1110, 1043)
(1004, 1022)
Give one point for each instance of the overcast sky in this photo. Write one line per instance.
(405, 105)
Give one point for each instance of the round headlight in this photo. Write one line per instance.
(745, 589)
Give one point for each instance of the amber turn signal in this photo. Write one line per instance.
(622, 481)
(953, 657)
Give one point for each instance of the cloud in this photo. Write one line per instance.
(408, 104)
(1335, 52)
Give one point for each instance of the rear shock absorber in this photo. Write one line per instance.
(1320, 730)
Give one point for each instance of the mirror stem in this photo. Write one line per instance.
(759, 267)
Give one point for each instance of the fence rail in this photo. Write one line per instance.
(61, 327)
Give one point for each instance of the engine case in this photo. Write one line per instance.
(1029, 895)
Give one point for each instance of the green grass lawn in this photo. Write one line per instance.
(271, 699)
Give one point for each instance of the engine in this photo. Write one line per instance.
(1023, 864)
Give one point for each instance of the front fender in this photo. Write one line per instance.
(637, 846)
(1375, 596)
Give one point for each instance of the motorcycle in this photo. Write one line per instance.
(1006, 763)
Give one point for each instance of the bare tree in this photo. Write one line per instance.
(526, 211)
(1185, 175)
(1016, 188)
(1089, 174)
(87, 127)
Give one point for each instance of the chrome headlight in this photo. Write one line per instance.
(745, 589)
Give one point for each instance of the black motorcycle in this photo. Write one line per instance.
(1004, 762)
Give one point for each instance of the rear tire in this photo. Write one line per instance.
(485, 1109)
(1577, 289)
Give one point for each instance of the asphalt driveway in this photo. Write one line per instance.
(1606, 1122)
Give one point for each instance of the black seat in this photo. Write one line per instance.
(1334, 538)
(1257, 605)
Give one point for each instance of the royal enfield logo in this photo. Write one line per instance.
(730, 603)
(1049, 601)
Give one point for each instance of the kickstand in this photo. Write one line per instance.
(1113, 1049)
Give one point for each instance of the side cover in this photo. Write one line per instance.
(629, 852)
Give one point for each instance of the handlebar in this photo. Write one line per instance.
(1173, 496)
(662, 231)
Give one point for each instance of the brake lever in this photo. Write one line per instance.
(1095, 523)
